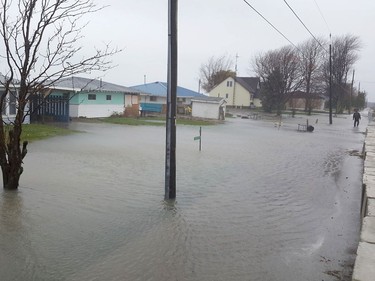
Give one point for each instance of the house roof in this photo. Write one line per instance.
(251, 84)
(160, 89)
(85, 84)
(209, 99)
(3, 80)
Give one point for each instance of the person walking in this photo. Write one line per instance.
(356, 117)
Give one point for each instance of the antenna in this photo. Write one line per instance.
(235, 70)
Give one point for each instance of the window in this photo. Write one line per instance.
(3, 110)
(12, 103)
(226, 95)
(92, 96)
(229, 83)
(108, 97)
(153, 98)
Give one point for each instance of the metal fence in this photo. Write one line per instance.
(50, 108)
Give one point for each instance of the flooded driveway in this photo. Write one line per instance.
(257, 203)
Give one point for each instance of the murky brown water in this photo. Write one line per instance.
(257, 203)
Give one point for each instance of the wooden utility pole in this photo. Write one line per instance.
(170, 151)
(234, 83)
(351, 93)
(330, 84)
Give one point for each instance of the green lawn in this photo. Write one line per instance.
(33, 132)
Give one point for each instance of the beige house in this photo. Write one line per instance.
(301, 101)
(239, 91)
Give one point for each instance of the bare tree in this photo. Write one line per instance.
(278, 71)
(215, 71)
(344, 56)
(40, 40)
(311, 57)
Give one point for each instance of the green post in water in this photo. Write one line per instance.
(199, 138)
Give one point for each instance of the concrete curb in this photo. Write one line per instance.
(364, 269)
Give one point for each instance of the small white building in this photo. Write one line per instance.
(208, 107)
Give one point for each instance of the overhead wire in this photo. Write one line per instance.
(274, 27)
(321, 14)
(320, 44)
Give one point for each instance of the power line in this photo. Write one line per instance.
(320, 11)
(274, 27)
(320, 44)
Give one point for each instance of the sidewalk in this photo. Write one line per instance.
(364, 269)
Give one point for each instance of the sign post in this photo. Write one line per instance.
(199, 138)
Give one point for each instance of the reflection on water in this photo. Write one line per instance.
(256, 203)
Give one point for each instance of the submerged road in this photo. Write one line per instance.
(257, 203)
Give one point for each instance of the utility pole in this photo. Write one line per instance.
(170, 151)
(234, 83)
(330, 84)
(351, 93)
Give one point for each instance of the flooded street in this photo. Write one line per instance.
(257, 203)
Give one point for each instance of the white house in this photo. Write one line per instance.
(9, 109)
(239, 91)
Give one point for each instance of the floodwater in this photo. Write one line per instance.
(258, 202)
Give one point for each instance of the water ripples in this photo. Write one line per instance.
(253, 205)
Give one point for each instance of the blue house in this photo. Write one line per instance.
(153, 97)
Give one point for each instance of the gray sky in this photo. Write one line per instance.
(215, 27)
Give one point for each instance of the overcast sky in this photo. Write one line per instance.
(215, 27)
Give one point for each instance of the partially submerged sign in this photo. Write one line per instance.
(199, 138)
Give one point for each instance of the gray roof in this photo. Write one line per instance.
(160, 89)
(4, 78)
(85, 84)
(249, 83)
(209, 99)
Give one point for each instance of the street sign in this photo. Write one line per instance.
(197, 138)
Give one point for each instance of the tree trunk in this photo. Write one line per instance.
(11, 177)
(12, 166)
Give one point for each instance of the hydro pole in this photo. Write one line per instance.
(330, 84)
(170, 151)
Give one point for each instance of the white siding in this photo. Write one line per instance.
(8, 118)
(224, 90)
(205, 110)
(242, 96)
(73, 110)
(233, 92)
(95, 110)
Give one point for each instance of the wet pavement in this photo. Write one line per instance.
(259, 202)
